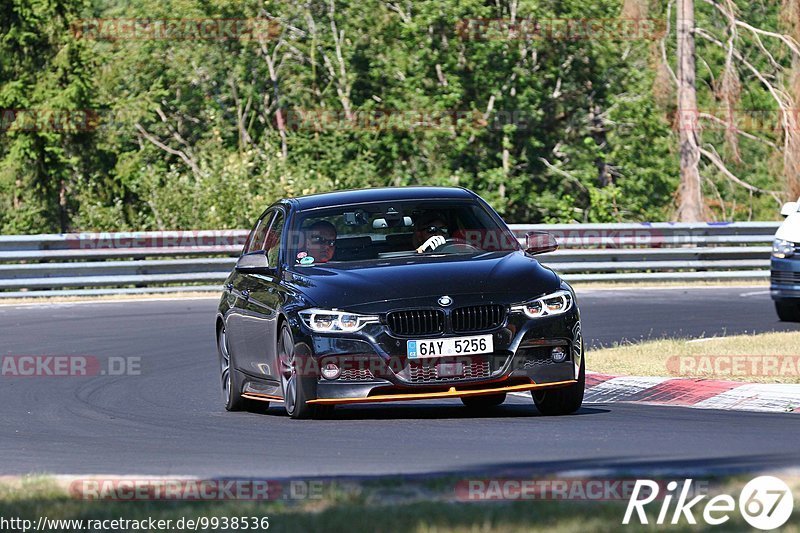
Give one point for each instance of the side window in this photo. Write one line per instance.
(250, 237)
(260, 233)
(273, 241)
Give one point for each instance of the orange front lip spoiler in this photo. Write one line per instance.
(452, 393)
(261, 397)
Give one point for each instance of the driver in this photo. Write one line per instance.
(320, 239)
(430, 232)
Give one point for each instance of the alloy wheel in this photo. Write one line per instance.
(288, 370)
(224, 365)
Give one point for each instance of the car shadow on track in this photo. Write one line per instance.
(433, 411)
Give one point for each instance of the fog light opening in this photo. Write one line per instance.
(330, 371)
(558, 354)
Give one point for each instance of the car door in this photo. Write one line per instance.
(259, 307)
(238, 289)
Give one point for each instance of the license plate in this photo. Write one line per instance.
(420, 349)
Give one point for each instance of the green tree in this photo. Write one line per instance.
(46, 96)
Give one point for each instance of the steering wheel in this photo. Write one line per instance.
(456, 245)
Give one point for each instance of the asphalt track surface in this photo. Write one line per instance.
(169, 419)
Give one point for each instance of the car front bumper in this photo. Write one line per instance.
(784, 278)
(453, 392)
(375, 367)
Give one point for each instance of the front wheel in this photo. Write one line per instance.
(563, 401)
(788, 311)
(297, 387)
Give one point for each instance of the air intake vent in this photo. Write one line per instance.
(416, 322)
(786, 277)
(356, 374)
(533, 357)
(478, 318)
(430, 373)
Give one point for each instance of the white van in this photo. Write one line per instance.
(785, 265)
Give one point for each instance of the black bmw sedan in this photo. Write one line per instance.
(395, 294)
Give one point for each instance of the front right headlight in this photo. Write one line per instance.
(331, 320)
(782, 249)
(553, 304)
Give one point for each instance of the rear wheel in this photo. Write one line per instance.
(788, 311)
(483, 402)
(297, 388)
(562, 401)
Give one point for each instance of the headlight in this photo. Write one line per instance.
(323, 320)
(552, 304)
(782, 249)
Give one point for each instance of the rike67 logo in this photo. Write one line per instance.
(766, 503)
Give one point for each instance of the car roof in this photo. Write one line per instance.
(382, 194)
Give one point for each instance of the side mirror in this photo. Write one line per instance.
(789, 208)
(253, 262)
(540, 242)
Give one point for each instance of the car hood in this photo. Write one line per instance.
(421, 281)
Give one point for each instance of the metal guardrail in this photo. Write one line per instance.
(129, 263)
(659, 251)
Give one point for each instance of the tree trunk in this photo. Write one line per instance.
(690, 196)
(63, 219)
(597, 131)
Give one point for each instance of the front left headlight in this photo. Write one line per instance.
(330, 320)
(553, 304)
(782, 249)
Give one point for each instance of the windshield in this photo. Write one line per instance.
(368, 232)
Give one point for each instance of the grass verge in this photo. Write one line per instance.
(758, 358)
(388, 505)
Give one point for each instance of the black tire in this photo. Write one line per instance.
(297, 389)
(788, 311)
(231, 379)
(564, 400)
(483, 402)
